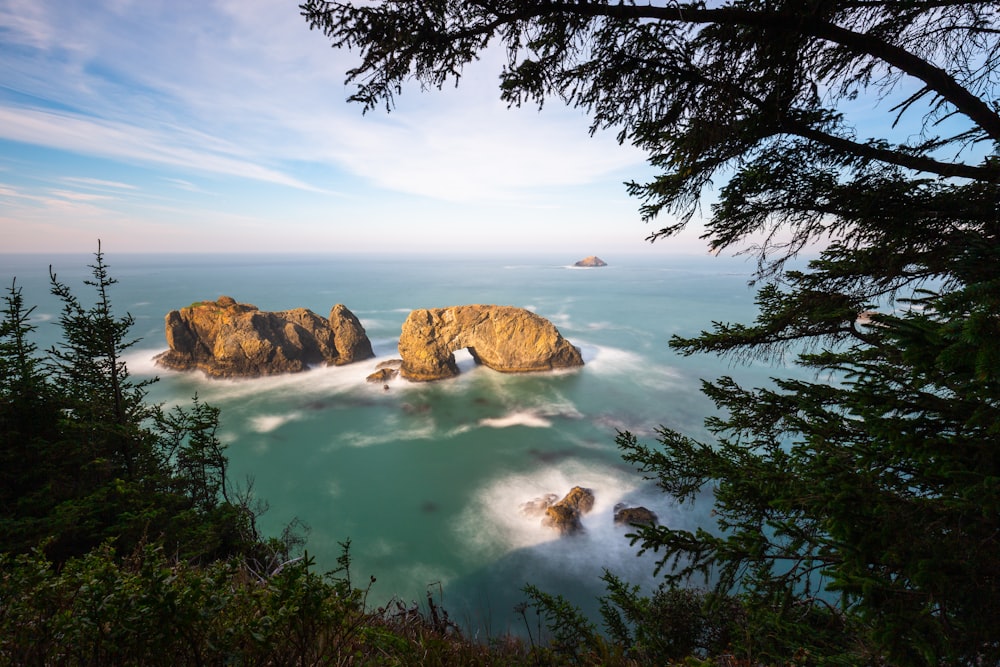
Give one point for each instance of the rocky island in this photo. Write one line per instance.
(504, 338)
(591, 261)
(225, 339)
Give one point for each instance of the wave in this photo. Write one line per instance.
(518, 546)
(426, 430)
(607, 360)
(141, 362)
(319, 380)
(268, 423)
(524, 418)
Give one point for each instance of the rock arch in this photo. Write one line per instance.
(504, 338)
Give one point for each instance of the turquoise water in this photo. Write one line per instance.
(426, 480)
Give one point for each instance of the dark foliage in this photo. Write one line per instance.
(858, 513)
(86, 458)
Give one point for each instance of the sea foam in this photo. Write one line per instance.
(268, 423)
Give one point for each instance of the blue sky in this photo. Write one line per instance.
(222, 125)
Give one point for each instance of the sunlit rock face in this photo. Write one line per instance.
(564, 515)
(504, 338)
(224, 338)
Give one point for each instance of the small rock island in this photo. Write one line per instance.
(504, 338)
(227, 339)
(591, 261)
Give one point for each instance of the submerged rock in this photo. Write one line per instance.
(382, 375)
(225, 338)
(504, 338)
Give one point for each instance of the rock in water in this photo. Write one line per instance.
(504, 338)
(635, 515)
(565, 515)
(224, 338)
(382, 375)
(593, 260)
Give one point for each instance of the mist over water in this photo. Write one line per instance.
(427, 480)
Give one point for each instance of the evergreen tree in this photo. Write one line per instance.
(105, 406)
(857, 513)
(29, 412)
(86, 458)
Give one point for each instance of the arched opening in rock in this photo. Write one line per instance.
(465, 359)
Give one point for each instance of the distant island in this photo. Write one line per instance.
(593, 260)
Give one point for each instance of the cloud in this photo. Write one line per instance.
(90, 136)
(79, 196)
(24, 22)
(180, 110)
(245, 89)
(99, 183)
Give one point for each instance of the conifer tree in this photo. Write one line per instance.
(858, 514)
(28, 414)
(86, 458)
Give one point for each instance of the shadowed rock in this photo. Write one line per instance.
(385, 371)
(224, 338)
(382, 375)
(504, 338)
(635, 515)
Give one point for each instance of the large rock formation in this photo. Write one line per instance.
(224, 338)
(504, 338)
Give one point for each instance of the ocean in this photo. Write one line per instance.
(426, 480)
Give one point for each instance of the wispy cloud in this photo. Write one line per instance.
(232, 110)
(73, 195)
(98, 183)
(242, 88)
(104, 138)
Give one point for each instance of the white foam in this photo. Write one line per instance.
(493, 524)
(268, 423)
(140, 362)
(426, 431)
(320, 380)
(524, 418)
(616, 361)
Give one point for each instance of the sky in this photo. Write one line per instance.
(223, 126)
